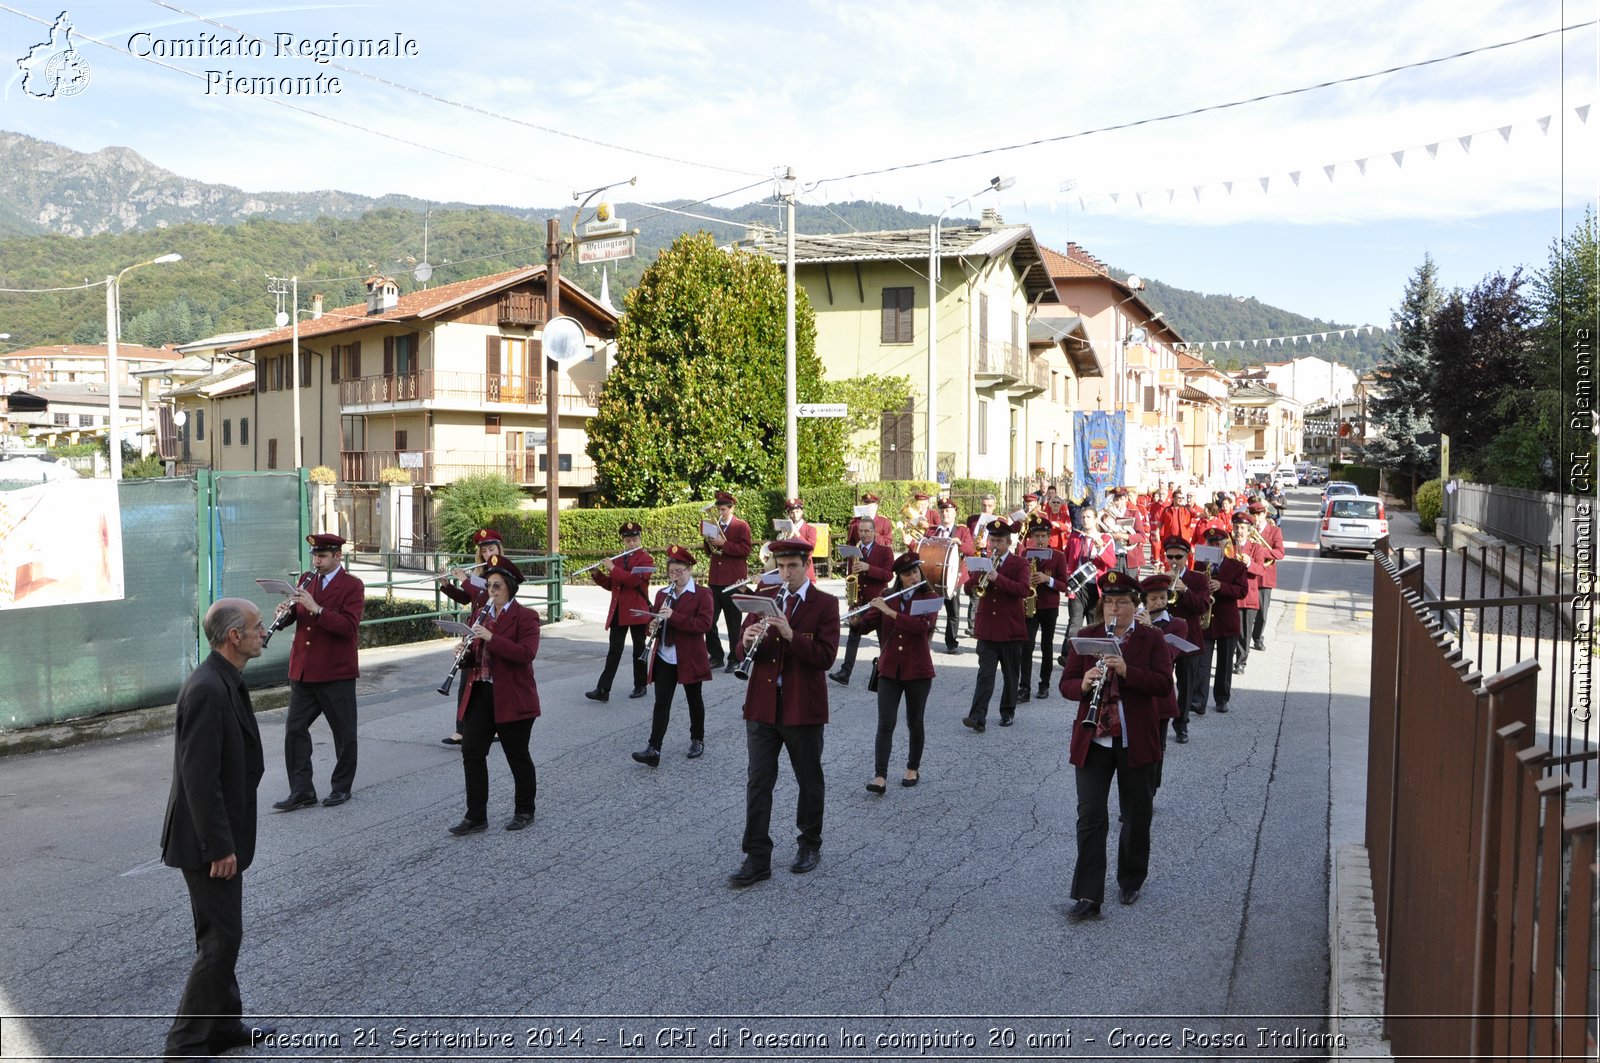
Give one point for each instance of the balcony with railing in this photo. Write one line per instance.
(1035, 380)
(1000, 363)
(432, 389)
(1246, 417)
(523, 467)
(522, 309)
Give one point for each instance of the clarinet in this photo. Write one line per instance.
(285, 617)
(1091, 719)
(649, 650)
(461, 653)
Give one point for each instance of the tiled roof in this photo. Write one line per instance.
(1187, 393)
(1075, 263)
(125, 352)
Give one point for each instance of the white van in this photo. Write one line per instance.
(1286, 477)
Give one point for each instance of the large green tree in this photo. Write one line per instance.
(1482, 366)
(1566, 299)
(696, 398)
(1400, 412)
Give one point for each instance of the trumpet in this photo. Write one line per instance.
(607, 561)
(887, 598)
(745, 667)
(983, 583)
(461, 653)
(285, 615)
(1091, 718)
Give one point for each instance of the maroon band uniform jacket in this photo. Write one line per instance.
(1056, 568)
(730, 561)
(509, 655)
(1137, 695)
(904, 638)
(685, 632)
(1172, 625)
(628, 589)
(802, 663)
(1270, 557)
(1235, 580)
(999, 615)
(324, 647)
(879, 571)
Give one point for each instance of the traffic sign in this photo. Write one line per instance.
(822, 409)
(608, 250)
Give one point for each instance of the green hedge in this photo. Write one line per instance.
(1430, 504)
(400, 631)
(1363, 476)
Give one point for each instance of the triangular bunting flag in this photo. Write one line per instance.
(1324, 336)
(1505, 133)
(1294, 175)
(1582, 113)
(1433, 150)
(1114, 196)
(1229, 186)
(1171, 193)
(1361, 164)
(1140, 197)
(1253, 343)
(1080, 204)
(1465, 142)
(1342, 332)
(1197, 189)
(1544, 124)
(1399, 157)
(1264, 181)
(1296, 340)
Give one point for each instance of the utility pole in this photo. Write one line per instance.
(790, 444)
(552, 381)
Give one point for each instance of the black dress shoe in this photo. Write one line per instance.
(728, 669)
(841, 677)
(648, 755)
(1197, 712)
(294, 801)
(952, 649)
(597, 695)
(804, 860)
(1006, 718)
(1221, 706)
(717, 662)
(1024, 695)
(697, 749)
(973, 722)
(335, 799)
(1258, 645)
(453, 740)
(912, 781)
(1043, 691)
(239, 1037)
(519, 821)
(638, 692)
(1183, 738)
(470, 826)
(876, 788)
(748, 875)
(1084, 910)
(1238, 669)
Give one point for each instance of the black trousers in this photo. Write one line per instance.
(1008, 655)
(1241, 645)
(1079, 606)
(619, 636)
(723, 609)
(666, 684)
(1187, 667)
(1259, 631)
(1041, 635)
(852, 646)
(210, 1006)
(478, 729)
(952, 629)
(1134, 803)
(762, 742)
(890, 691)
(335, 699)
(1215, 664)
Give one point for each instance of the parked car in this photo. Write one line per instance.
(1319, 474)
(1286, 477)
(1339, 487)
(1351, 522)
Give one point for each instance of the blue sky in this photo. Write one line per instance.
(699, 98)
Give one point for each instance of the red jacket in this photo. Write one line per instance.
(878, 574)
(882, 531)
(903, 638)
(729, 564)
(324, 647)
(1149, 679)
(1192, 602)
(807, 534)
(1172, 626)
(1270, 557)
(803, 663)
(999, 614)
(510, 654)
(470, 594)
(1251, 555)
(1181, 521)
(1235, 580)
(1056, 568)
(628, 588)
(692, 617)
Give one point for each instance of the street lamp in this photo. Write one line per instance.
(112, 283)
(996, 184)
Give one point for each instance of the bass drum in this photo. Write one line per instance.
(941, 565)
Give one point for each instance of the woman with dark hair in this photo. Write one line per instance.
(465, 587)
(499, 697)
(905, 668)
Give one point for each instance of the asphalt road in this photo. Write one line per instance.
(933, 927)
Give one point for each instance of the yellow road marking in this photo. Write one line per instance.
(1302, 608)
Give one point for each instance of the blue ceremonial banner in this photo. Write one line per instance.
(1098, 452)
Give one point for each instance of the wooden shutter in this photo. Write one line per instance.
(491, 355)
(889, 327)
(983, 319)
(400, 439)
(272, 453)
(904, 333)
(333, 364)
(354, 367)
(1150, 400)
(388, 356)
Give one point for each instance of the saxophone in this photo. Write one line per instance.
(852, 588)
(1030, 604)
(1211, 598)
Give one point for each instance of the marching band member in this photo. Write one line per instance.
(882, 527)
(1250, 553)
(947, 528)
(786, 707)
(873, 570)
(684, 614)
(795, 511)
(1000, 627)
(628, 587)
(500, 697)
(322, 674)
(468, 589)
(1155, 592)
(1122, 740)
(1194, 600)
(1272, 536)
(1232, 584)
(978, 529)
(1049, 580)
(730, 568)
(905, 670)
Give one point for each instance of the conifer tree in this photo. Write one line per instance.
(1401, 411)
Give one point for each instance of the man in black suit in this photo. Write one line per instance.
(210, 829)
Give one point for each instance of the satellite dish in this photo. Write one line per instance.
(423, 272)
(179, 418)
(564, 341)
(281, 319)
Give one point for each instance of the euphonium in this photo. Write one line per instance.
(1030, 604)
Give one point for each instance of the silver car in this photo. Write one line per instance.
(1351, 522)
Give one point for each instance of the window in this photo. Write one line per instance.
(1353, 509)
(227, 432)
(491, 423)
(1261, 439)
(983, 426)
(353, 432)
(63, 419)
(272, 453)
(400, 439)
(563, 462)
(305, 369)
(199, 424)
(334, 354)
(244, 431)
(399, 355)
(897, 319)
(1149, 400)
(85, 420)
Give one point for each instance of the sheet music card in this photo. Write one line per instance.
(979, 565)
(1181, 645)
(755, 604)
(849, 553)
(710, 529)
(452, 627)
(783, 527)
(277, 586)
(924, 606)
(1208, 555)
(1039, 555)
(1096, 647)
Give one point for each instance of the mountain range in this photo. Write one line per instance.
(68, 214)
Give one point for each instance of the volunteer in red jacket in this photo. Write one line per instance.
(1000, 627)
(873, 571)
(322, 673)
(467, 587)
(628, 580)
(1121, 740)
(684, 613)
(905, 669)
(786, 708)
(1269, 558)
(730, 569)
(1155, 592)
(500, 697)
(1048, 582)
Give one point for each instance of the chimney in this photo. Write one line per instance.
(991, 219)
(381, 294)
(316, 306)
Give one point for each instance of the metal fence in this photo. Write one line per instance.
(1530, 517)
(1483, 884)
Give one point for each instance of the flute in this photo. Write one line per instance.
(887, 598)
(607, 561)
